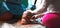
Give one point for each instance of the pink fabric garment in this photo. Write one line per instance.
(51, 20)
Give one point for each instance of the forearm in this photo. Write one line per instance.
(40, 11)
(40, 8)
(39, 15)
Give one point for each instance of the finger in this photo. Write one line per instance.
(33, 17)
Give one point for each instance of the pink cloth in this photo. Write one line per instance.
(51, 20)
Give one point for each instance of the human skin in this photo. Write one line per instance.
(6, 16)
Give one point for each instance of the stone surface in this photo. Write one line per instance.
(6, 25)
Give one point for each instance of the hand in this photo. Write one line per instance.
(37, 16)
(25, 18)
(27, 14)
(34, 17)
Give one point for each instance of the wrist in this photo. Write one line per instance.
(36, 15)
